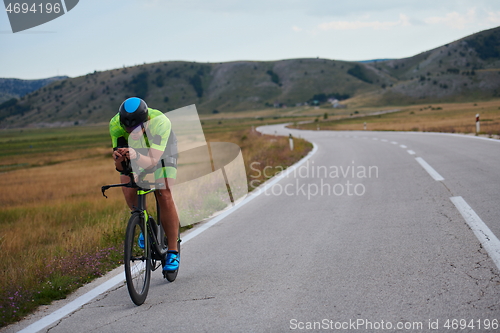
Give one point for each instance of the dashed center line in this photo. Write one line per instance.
(485, 236)
(430, 170)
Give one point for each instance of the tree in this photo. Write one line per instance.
(195, 81)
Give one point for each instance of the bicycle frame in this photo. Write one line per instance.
(152, 231)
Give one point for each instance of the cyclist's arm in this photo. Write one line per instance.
(118, 142)
(146, 161)
(160, 128)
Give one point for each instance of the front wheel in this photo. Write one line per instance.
(137, 260)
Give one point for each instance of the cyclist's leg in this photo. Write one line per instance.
(130, 194)
(168, 211)
(169, 216)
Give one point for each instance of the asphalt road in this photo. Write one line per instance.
(382, 248)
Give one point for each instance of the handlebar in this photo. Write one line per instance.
(130, 184)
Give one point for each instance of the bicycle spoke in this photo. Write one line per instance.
(137, 261)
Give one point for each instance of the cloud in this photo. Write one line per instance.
(296, 29)
(353, 25)
(494, 18)
(454, 20)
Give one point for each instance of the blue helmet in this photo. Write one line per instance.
(133, 112)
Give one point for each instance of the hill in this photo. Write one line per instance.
(464, 70)
(221, 87)
(16, 88)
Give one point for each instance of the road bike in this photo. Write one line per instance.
(141, 257)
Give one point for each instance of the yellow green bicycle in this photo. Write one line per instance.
(145, 246)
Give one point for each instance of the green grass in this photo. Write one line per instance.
(57, 232)
(33, 141)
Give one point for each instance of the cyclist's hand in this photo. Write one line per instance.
(119, 156)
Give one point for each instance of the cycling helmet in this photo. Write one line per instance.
(133, 112)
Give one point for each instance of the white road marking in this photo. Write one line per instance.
(74, 305)
(403, 146)
(383, 140)
(486, 237)
(374, 139)
(433, 173)
(84, 299)
(411, 152)
(394, 142)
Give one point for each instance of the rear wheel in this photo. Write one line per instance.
(137, 260)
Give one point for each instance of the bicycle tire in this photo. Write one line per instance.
(137, 261)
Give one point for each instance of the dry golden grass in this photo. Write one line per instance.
(446, 117)
(54, 220)
(52, 209)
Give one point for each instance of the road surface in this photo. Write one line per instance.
(366, 235)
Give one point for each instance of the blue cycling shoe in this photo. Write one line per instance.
(140, 241)
(172, 261)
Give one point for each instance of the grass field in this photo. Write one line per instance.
(57, 231)
(446, 117)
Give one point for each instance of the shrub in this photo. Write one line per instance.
(159, 81)
(274, 77)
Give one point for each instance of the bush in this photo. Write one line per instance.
(159, 81)
(274, 77)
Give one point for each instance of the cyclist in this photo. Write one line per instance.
(142, 137)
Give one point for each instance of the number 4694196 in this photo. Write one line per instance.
(471, 324)
(25, 8)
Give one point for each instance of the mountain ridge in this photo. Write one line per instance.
(466, 69)
(16, 88)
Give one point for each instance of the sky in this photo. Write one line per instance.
(108, 34)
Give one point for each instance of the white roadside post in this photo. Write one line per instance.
(290, 138)
(478, 126)
(364, 126)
